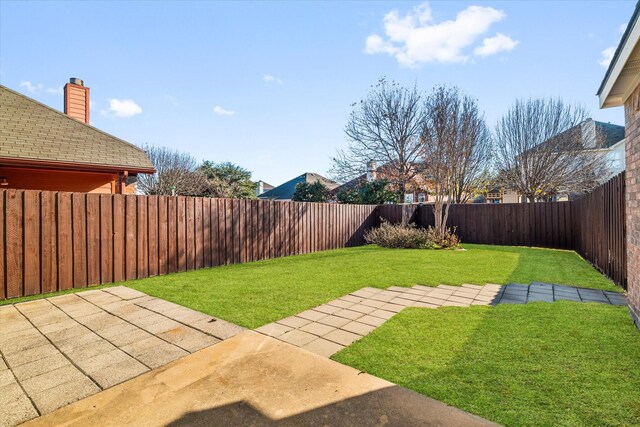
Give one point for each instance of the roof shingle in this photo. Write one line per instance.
(33, 131)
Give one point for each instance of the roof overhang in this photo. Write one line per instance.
(81, 167)
(623, 74)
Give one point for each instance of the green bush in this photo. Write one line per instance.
(398, 236)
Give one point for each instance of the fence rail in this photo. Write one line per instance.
(52, 241)
(56, 241)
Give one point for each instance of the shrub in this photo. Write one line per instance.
(443, 240)
(411, 237)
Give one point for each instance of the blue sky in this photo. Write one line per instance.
(269, 85)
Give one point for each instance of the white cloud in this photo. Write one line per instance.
(495, 44)
(222, 112)
(272, 79)
(55, 90)
(123, 108)
(416, 39)
(39, 87)
(607, 56)
(30, 87)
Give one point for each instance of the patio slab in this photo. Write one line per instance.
(58, 350)
(252, 379)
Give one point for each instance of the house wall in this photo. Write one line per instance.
(616, 158)
(632, 137)
(54, 180)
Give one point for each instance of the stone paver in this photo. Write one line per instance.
(58, 350)
(330, 327)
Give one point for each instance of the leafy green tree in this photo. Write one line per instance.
(349, 196)
(227, 180)
(311, 192)
(377, 192)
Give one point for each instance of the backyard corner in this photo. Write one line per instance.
(405, 218)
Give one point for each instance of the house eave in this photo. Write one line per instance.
(85, 167)
(623, 74)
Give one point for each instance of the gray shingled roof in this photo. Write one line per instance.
(609, 134)
(32, 131)
(285, 191)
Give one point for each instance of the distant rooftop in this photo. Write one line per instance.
(285, 191)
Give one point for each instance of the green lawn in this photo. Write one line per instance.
(540, 364)
(257, 293)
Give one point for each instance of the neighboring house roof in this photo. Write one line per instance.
(285, 191)
(355, 183)
(33, 134)
(592, 134)
(623, 74)
(418, 183)
(265, 185)
(609, 134)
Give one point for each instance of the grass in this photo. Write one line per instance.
(257, 293)
(540, 364)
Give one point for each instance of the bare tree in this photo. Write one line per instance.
(542, 152)
(177, 173)
(383, 128)
(473, 154)
(456, 149)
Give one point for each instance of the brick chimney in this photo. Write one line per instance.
(76, 100)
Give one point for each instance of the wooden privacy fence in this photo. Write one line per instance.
(599, 228)
(547, 225)
(53, 241)
(593, 225)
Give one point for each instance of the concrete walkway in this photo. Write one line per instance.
(330, 327)
(254, 380)
(58, 350)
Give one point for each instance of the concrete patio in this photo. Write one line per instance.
(255, 380)
(61, 349)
